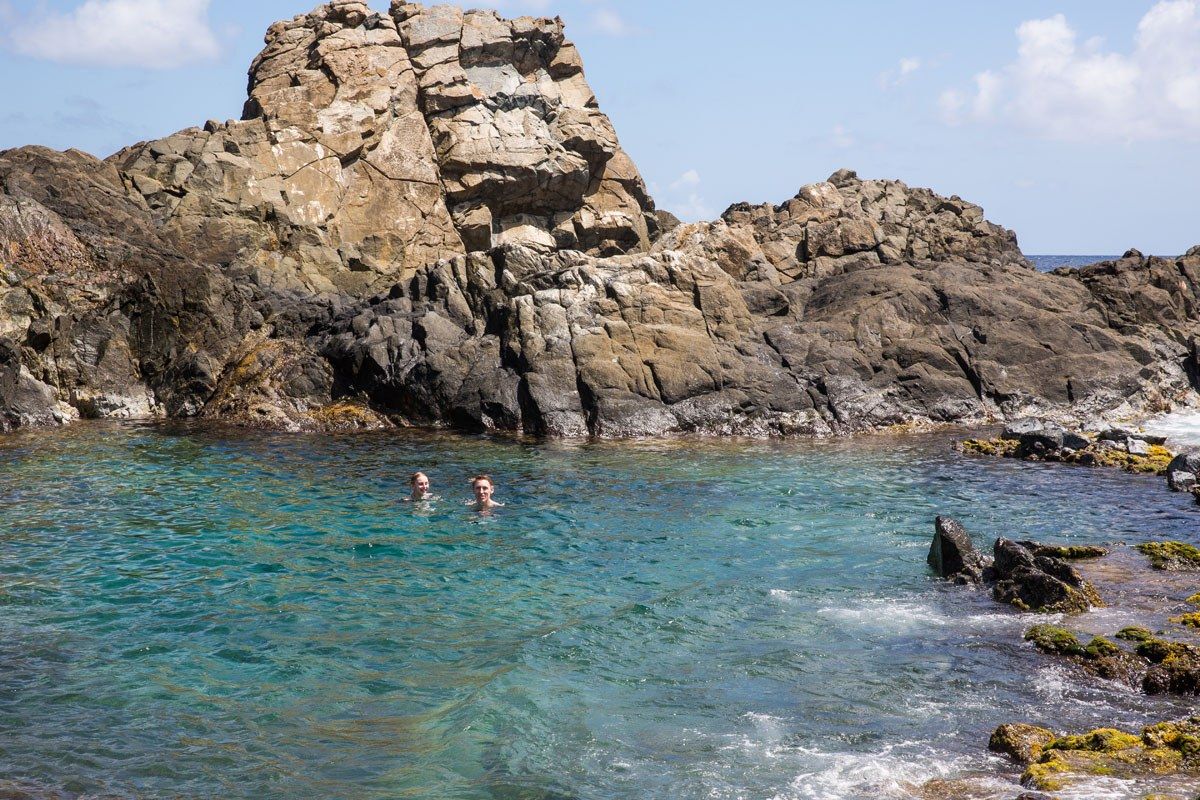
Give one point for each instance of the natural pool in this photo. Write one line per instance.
(201, 612)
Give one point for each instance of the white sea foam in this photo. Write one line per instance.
(908, 616)
(1180, 428)
(883, 774)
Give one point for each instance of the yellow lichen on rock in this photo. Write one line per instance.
(990, 447)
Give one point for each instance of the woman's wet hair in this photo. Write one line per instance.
(412, 479)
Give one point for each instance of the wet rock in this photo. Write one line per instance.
(953, 555)
(1067, 552)
(1022, 743)
(1041, 442)
(1171, 556)
(1175, 667)
(1041, 583)
(1163, 749)
(1182, 472)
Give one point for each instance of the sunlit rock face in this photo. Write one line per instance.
(372, 144)
(525, 154)
(423, 217)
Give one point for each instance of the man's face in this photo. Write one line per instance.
(483, 491)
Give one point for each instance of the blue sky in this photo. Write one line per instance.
(1076, 123)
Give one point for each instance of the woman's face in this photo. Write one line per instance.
(483, 491)
(420, 485)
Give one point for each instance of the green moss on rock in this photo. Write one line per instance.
(1073, 552)
(1023, 743)
(990, 447)
(1171, 555)
(1048, 774)
(1101, 740)
(1135, 633)
(1054, 640)
(1099, 647)
(1182, 736)
(1191, 620)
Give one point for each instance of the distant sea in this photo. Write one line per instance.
(1048, 263)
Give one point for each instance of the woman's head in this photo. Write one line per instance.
(419, 482)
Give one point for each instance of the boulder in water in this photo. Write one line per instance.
(1182, 472)
(953, 555)
(1041, 583)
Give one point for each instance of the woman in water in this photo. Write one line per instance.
(483, 487)
(419, 482)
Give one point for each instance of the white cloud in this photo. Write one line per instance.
(683, 198)
(687, 180)
(899, 74)
(610, 22)
(153, 34)
(1060, 89)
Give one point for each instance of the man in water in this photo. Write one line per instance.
(483, 487)
(419, 482)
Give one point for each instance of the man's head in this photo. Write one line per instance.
(482, 486)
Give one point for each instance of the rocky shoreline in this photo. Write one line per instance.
(423, 218)
(1040, 579)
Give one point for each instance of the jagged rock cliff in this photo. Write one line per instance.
(423, 217)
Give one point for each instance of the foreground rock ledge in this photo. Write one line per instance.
(425, 218)
(1055, 762)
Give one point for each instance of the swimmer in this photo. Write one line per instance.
(419, 482)
(483, 487)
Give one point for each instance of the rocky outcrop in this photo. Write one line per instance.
(1039, 440)
(1031, 580)
(524, 153)
(1028, 575)
(953, 555)
(423, 217)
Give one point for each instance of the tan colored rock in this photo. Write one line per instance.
(333, 156)
(516, 130)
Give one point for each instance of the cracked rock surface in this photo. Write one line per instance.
(423, 217)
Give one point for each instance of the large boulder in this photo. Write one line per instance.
(1043, 583)
(1183, 473)
(953, 555)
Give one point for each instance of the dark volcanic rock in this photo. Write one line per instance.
(952, 555)
(424, 214)
(1100, 657)
(1034, 582)
(1183, 472)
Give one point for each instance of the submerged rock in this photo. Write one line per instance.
(1100, 657)
(1171, 556)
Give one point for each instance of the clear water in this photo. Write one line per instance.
(198, 613)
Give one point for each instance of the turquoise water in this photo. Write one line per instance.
(190, 612)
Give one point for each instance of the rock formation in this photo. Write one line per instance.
(423, 217)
